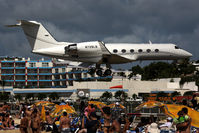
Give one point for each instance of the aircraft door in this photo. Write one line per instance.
(71, 50)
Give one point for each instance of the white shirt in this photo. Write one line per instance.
(167, 124)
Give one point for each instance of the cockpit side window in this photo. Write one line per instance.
(176, 47)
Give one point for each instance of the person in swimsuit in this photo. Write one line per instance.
(65, 123)
(24, 124)
(35, 122)
(116, 127)
(106, 113)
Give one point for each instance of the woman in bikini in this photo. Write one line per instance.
(106, 113)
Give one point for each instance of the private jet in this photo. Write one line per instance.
(96, 52)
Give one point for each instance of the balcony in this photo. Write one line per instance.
(20, 71)
(32, 70)
(7, 64)
(45, 71)
(22, 64)
(32, 77)
(20, 77)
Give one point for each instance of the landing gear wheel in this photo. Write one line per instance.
(108, 72)
(99, 72)
(91, 71)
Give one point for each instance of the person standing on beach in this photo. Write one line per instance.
(24, 124)
(65, 123)
(35, 122)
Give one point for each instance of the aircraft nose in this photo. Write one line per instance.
(187, 54)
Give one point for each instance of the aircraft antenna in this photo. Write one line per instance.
(150, 42)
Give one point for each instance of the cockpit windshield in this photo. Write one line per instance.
(176, 47)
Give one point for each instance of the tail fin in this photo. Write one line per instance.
(36, 34)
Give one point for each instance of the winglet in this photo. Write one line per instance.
(150, 42)
(15, 25)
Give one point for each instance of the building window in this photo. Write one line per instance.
(156, 50)
(32, 64)
(123, 51)
(56, 70)
(148, 50)
(140, 50)
(132, 50)
(115, 51)
(44, 64)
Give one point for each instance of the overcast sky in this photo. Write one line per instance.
(128, 21)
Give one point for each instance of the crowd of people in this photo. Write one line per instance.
(90, 119)
(6, 120)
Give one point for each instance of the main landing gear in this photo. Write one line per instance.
(99, 71)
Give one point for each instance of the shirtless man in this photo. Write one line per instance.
(35, 122)
(65, 123)
(24, 124)
(49, 119)
(28, 113)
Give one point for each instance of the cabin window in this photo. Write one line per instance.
(123, 50)
(132, 50)
(115, 51)
(140, 50)
(156, 50)
(148, 50)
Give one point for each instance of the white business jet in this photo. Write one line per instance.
(96, 52)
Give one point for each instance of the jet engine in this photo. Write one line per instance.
(71, 50)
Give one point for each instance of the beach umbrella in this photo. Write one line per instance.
(172, 110)
(113, 105)
(45, 103)
(97, 103)
(43, 114)
(149, 104)
(48, 105)
(63, 108)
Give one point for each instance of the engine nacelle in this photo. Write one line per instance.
(71, 50)
(90, 51)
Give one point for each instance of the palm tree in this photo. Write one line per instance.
(106, 95)
(121, 95)
(134, 96)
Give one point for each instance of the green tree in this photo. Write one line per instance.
(122, 74)
(53, 96)
(188, 93)
(135, 70)
(158, 70)
(121, 95)
(175, 93)
(41, 96)
(134, 96)
(106, 95)
(186, 68)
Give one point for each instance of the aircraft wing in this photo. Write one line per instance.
(73, 64)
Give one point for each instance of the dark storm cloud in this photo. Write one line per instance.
(174, 21)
